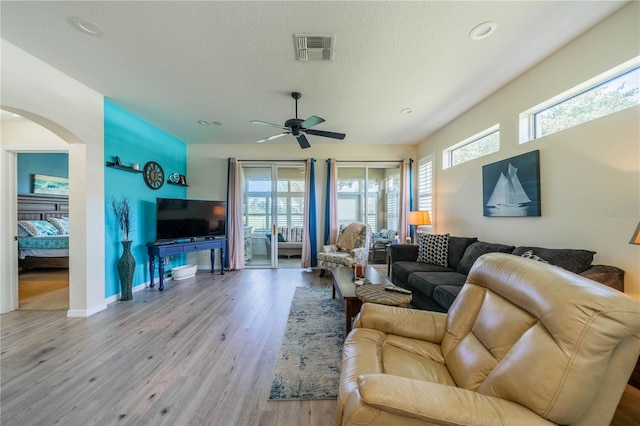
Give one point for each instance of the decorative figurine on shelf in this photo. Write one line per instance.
(174, 178)
(117, 161)
(183, 180)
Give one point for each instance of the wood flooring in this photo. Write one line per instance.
(202, 352)
(43, 289)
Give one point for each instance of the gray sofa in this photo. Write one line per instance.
(435, 287)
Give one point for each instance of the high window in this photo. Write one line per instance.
(478, 145)
(605, 94)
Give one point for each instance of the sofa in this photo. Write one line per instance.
(523, 343)
(436, 283)
(289, 241)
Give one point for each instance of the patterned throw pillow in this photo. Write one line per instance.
(351, 236)
(530, 255)
(61, 223)
(38, 228)
(433, 249)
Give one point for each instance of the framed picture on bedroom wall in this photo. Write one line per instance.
(51, 185)
(511, 187)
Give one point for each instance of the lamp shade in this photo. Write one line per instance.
(419, 218)
(635, 239)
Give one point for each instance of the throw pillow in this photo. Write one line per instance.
(281, 238)
(61, 223)
(433, 249)
(530, 255)
(348, 240)
(38, 228)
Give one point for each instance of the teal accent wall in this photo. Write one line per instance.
(136, 141)
(29, 164)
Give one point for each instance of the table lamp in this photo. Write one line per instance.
(418, 218)
(635, 239)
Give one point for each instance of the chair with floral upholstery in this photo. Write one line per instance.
(352, 247)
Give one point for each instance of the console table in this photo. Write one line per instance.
(177, 248)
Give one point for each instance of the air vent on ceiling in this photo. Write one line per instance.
(314, 47)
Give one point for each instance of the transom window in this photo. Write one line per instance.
(606, 94)
(478, 145)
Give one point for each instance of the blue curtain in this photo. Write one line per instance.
(313, 226)
(327, 205)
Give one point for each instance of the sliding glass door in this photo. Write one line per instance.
(273, 212)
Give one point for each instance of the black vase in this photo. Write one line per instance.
(126, 268)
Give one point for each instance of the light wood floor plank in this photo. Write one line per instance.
(203, 352)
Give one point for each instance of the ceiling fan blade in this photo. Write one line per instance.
(270, 138)
(264, 123)
(302, 141)
(311, 121)
(325, 134)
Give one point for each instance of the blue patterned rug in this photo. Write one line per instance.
(308, 366)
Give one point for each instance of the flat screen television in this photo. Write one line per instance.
(178, 219)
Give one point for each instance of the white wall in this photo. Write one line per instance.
(207, 164)
(73, 112)
(590, 174)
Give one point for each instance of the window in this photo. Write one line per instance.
(425, 185)
(610, 92)
(369, 193)
(478, 145)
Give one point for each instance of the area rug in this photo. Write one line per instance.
(308, 366)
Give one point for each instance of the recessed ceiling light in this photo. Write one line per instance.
(204, 123)
(216, 123)
(406, 111)
(86, 26)
(483, 30)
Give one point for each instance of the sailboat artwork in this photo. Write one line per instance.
(508, 196)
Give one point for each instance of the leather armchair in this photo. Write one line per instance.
(352, 247)
(523, 343)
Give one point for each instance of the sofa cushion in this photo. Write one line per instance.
(576, 261)
(476, 250)
(433, 249)
(400, 271)
(457, 246)
(427, 282)
(280, 237)
(444, 295)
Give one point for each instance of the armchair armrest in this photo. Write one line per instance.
(436, 403)
(331, 248)
(403, 252)
(424, 325)
(360, 254)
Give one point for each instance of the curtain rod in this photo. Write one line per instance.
(276, 161)
(369, 161)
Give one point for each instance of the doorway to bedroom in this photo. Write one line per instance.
(43, 251)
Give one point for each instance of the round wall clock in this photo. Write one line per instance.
(153, 175)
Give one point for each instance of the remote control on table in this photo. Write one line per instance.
(397, 289)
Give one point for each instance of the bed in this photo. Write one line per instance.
(43, 231)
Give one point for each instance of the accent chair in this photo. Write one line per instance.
(352, 247)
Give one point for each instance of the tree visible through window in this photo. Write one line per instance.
(606, 98)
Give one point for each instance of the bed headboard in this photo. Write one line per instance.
(42, 207)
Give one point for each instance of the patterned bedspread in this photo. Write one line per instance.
(46, 242)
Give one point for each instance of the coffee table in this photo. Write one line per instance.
(344, 286)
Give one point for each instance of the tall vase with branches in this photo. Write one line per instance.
(123, 212)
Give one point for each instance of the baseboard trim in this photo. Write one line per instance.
(83, 313)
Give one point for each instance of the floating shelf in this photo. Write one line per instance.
(121, 167)
(177, 184)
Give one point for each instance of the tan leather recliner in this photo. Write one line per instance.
(523, 343)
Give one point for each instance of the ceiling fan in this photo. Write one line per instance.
(298, 127)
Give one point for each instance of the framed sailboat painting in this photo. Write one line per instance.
(511, 187)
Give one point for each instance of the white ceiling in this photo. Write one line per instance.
(174, 63)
